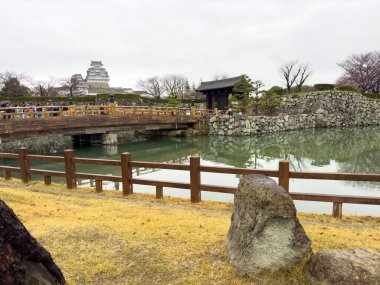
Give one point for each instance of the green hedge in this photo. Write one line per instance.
(94, 99)
(89, 99)
(119, 96)
(277, 90)
(372, 96)
(324, 87)
(144, 99)
(347, 88)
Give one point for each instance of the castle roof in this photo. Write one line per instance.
(218, 84)
(96, 63)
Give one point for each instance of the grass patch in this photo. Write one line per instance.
(100, 240)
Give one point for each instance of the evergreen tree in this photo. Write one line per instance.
(173, 99)
(241, 100)
(13, 88)
(255, 102)
(269, 102)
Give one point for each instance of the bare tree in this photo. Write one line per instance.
(287, 71)
(295, 73)
(191, 93)
(72, 87)
(152, 86)
(5, 76)
(43, 88)
(362, 72)
(303, 76)
(175, 83)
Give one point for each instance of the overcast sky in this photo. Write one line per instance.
(137, 39)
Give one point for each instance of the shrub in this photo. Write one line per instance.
(324, 87)
(93, 99)
(39, 99)
(371, 95)
(118, 96)
(277, 90)
(347, 88)
(173, 99)
(136, 97)
(84, 99)
(269, 102)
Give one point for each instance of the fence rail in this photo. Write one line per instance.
(56, 112)
(195, 168)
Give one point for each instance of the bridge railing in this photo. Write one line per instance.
(195, 170)
(51, 112)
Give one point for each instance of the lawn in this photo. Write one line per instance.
(100, 239)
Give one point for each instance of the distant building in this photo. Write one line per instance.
(97, 76)
(82, 85)
(97, 81)
(217, 92)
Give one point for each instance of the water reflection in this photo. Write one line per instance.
(110, 150)
(328, 150)
(356, 149)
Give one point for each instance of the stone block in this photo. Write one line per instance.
(265, 233)
(344, 267)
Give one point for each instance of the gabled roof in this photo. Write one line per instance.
(218, 84)
(96, 62)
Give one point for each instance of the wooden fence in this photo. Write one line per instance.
(55, 112)
(195, 168)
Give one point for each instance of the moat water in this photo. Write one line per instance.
(354, 150)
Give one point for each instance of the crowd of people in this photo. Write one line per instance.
(7, 110)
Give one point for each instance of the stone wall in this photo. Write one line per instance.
(329, 109)
(40, 144)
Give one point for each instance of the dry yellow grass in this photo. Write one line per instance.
(105, 241)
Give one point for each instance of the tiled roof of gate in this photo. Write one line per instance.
(218, 84)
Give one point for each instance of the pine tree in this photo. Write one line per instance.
(240, 101)
(173, 99)
(13, 88)
(269, 102)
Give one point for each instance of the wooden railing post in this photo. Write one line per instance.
(47, 179)
(193, 111)
(215, 111)
(7, 175)
(126, 174)
(283, 174)
(195, 179)
(24, 164)
(337, 210)
(159, 192)
(71, 111)
(69, 169)
(98, 186)
(112, 109)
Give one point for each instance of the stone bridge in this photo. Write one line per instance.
(26, 122)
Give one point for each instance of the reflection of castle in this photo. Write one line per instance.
(97, 81)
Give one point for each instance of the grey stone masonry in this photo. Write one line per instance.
(331, 109)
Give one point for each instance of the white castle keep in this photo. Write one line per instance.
(97, 75)
(96, 81)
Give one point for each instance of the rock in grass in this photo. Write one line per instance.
(22, 259)
(265, 233)
(344, 267)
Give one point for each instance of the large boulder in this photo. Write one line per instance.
(22, 259)
(265, 233)
(344, 267)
